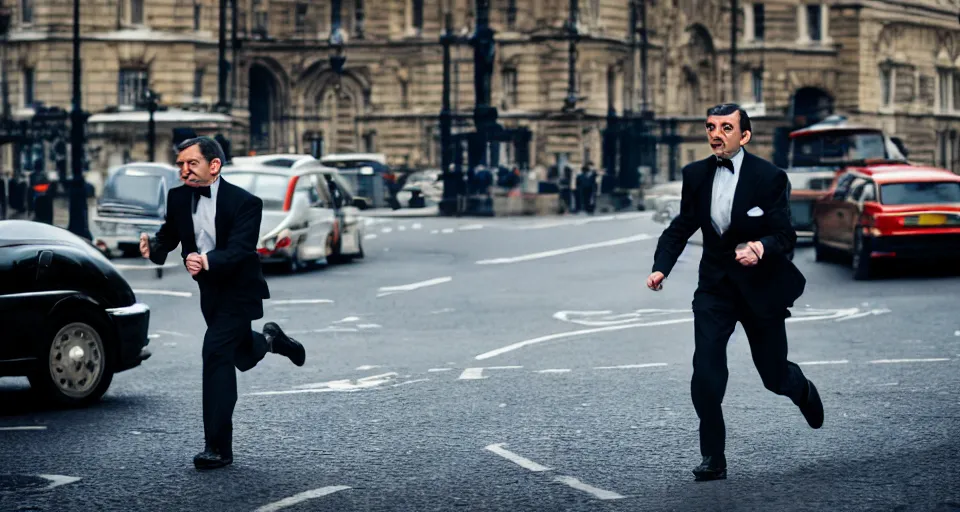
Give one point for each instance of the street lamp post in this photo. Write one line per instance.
(484, 50)
(734, 7)
(4, 32)
(150, 100)
(78, 224)
(573, 35)
(222, 103)
(448, 204)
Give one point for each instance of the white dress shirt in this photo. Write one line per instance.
(205, 220)
(724, 187)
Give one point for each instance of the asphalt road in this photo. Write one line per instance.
(511, 364)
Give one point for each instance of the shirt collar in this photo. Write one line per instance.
(738, 160)
(214, 187)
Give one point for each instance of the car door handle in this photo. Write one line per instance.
(45, 259)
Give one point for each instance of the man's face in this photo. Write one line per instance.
(195, 170)
(724, 134)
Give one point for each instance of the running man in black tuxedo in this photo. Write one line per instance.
(740, 203)
(217, 226)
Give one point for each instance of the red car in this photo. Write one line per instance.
(889, 212)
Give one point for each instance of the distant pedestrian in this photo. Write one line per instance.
(739, 202)
(217, 226)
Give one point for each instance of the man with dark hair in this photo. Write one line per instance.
(739, 202)
(217, 226)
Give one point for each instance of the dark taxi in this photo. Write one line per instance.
(886, 212)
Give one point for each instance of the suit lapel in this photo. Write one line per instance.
(744, 190)
(189, 238)
(222, 200)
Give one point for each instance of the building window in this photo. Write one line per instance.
(757, 85)
(136, 12)
(197, 11)
(261, 22)
(758, 15)
(511, 14)
(300, 21)
(28, 87)
(886, 86)
(511, 95)
(945, 84)
(132, 86)
(404, 94)
(26, 11)
(198, 83)
(814, 22)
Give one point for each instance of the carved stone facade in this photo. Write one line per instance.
(886, 63)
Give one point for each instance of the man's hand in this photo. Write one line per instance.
(194, 263)
(748, 255)
(144, 245)
(655, 281)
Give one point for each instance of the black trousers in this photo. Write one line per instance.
(229, 343)
(716, 312)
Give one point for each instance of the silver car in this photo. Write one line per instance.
(309, 213)
(133, 201)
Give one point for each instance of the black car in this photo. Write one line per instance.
(70, 321)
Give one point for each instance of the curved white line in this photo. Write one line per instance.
(169, 293)
(569, 334)
(300, 498)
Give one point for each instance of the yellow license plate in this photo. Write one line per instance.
(932, 219)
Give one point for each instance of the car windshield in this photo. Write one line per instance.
(135, 187)
(270, 188)
(821, 149)
(920, 193)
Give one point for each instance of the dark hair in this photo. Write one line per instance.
(209, 148)
(725, 109)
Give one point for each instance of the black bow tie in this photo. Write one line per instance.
(197, 192)
(725, 162)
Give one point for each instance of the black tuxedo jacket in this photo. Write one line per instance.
(774, 283)
(235, 280)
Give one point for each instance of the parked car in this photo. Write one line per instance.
(370, 176)
(133, 201)
(820, 152)
(888, 212)
(70, 320)
(309, 213)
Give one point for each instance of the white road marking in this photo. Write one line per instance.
(956, 333)
(554, 370)
(444, 310)
(471, 227)
(368, 367)
(170, 344)
(414, 286)
(404, 383)
(434, 370)
(369, 326)
(386, 230)
(516, 459)
(417, 226)
(278, 302)
(125, 266)
(568, 334)
(447, 231)
(568, 250)
(630, 366)
(58, 480)
(434, 232)
(343, 385)
(347, 319)
(590, 318)
(300, 498)
(152, 336)
(580, 486)
(169, 293)
(477, 373)
(171, 333)
(863, 314)
(31, 427)
(401, 228)
(890, 361)
(840, 361)
(369, 236)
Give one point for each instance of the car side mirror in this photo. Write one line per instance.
(360, 203)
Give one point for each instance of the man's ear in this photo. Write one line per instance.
(215, 166)
(745, 137)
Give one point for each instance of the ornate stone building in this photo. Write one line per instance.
(894, 64)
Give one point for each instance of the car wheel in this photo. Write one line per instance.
(862, 264)
(74, 368)
(334, 255)
(819, 251)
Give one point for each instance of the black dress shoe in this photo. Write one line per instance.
(211, 458)
(712, 468)
(283, 344)
(812, 407)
